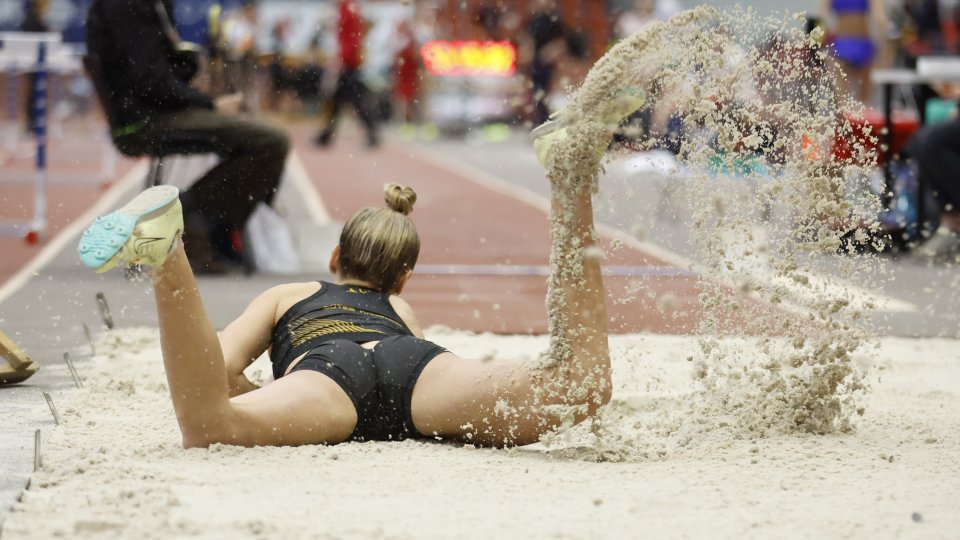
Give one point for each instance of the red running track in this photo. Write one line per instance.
(497, 244)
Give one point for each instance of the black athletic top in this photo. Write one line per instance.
(349, 312)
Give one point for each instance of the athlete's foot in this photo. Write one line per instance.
(145, 231)
(548, 136)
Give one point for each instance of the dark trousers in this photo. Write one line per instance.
(540, 77)
(251, 155)
(936, 150)
(350, 89)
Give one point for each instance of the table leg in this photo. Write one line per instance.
(886, 197)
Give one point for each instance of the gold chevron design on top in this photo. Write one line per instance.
(309, 329)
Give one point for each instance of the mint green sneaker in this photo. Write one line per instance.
(145, 231)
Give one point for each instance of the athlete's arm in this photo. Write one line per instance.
(405, 312)
(245, 339)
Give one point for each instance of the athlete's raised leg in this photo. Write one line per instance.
(511, 402)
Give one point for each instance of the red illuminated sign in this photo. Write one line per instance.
(470, 58)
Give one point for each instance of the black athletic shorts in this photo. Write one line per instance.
(379, 381)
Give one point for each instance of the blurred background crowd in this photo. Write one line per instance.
(457, 64)
(483, 68)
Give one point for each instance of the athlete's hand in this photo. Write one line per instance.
(229, 103)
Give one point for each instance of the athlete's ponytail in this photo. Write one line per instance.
(379, 245)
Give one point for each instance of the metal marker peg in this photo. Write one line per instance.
(86, 330)
(104, 311)
(56, 416)
(36, 451)
(73, 370)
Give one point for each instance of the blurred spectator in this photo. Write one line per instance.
(144, 80)
(238, 30)
(33, 22)
(488, 17)
(406, 74)
(668, 8)
(923, 31)
(849, 33)
(634, 20)
(936, 150)
(921, 34)
(350, 87)
(214, 49)
(546, 36)
(280, 79)
(302, 75)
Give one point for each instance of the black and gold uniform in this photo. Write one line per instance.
(329, 327)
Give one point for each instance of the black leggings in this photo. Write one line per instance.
(379, 381)
(936, 149)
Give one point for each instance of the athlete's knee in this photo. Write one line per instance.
(201, 431)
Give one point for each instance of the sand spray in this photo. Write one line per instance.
(777, 182)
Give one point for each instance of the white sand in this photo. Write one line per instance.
(114, 468)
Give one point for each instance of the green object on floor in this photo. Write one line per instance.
(738, 165)
(939, 110)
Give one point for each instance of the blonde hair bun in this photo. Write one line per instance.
(399, 198)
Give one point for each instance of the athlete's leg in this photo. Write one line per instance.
(301, 408)
(511, 402)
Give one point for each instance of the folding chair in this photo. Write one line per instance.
(91, 64)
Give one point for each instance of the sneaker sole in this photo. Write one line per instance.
(103, 239)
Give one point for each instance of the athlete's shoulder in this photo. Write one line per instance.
(287, 290)
(405, 312)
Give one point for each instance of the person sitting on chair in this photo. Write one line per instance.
(936, 151)
(154, 111)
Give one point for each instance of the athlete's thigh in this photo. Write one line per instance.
(460, 397)
(304, 407)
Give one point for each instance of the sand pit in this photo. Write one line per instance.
(115, 468)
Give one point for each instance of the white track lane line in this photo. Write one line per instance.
(298, 175)
(480, 177)
(69, 233)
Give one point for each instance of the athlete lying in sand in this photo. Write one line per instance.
(348, 357)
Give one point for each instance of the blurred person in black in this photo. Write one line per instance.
(546, 36)
(33, 22)
(936, 151)
(154, 111)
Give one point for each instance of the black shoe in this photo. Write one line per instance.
(323, 139)
(204, 259)
(200, 245)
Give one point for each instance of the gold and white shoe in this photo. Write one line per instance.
(548, 135)
(145, 231)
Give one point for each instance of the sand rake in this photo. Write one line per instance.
(18, 367)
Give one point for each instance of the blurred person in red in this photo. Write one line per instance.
(350, 87)
(406, 74)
